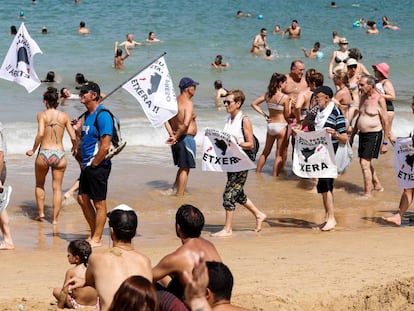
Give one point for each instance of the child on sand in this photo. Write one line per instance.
(78, 255)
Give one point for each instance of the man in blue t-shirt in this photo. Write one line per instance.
(93, 181)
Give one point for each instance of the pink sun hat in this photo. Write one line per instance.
(383, 68)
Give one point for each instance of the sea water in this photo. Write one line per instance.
(192, 33)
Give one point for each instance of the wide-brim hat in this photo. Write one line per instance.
(383, 68)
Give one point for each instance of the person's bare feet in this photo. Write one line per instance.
(379, 188)
(259, 221)
(6, 246)
(365, 196)
(95, 244)
(40, 217)
(329, 225)
(222, 233)
(394, 219)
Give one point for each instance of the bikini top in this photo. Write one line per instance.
(338, 60)
(53, 123)
(276, 106)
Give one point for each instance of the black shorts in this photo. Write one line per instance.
(94, 182)
(325, 185)
(369, 145)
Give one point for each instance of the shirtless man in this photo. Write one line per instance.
(373, 128)
(82, 29)
(182, 128)
(189, 221)
(259, 45)
(293, 30)
(109, 268)
(129, 43)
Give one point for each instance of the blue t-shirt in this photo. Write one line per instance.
(91, 136)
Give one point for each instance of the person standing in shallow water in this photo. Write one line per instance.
(182, 129)
(49, 139)
(235, 125)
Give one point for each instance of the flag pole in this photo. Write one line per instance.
(119, 86)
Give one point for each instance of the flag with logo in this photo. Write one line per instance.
(222, 154)
(153, 89)
(18, 64)
(404, 162)
(314, 156)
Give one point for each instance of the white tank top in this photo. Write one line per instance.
(235, 128)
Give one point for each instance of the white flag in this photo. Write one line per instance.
(404, 162)
(314, 156)
(154, 90)
(222, 154)
(18, 64)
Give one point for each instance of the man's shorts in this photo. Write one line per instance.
(184, 152)
(94, 182)
(369, 145)
(325, 185)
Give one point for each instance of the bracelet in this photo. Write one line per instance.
(385, 143)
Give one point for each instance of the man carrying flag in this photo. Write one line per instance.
(18, 64)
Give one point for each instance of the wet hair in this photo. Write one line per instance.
(124, 224)
(268, 52)
(150, 33)
(51, 96)
(295, 21)
(118, 52)
(317, 79)
(44, 29)
(62, 92)
(82, 249)
(238, 96)
(82, 24)
(220, 280)
(80, 78)
(263, 29)
(190, 219)
(295, 62)
(317, 45)
(135, 293)
(274, 83)
(334, 33)
(308, 74)
(13, 30)
(218, 84)
(50, 77)
(355, 53)
(371, 23)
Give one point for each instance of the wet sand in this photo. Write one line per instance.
(361, 265)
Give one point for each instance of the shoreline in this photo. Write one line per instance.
(287, 266)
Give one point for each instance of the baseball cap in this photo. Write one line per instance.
(90, 86)
(123, 217)
(351, 62)
(187, 82)
(325, 90)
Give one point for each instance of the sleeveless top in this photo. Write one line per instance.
(235, 128)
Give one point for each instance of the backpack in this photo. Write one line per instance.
(251, 153)
(117, 144)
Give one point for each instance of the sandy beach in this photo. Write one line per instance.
(362, 265)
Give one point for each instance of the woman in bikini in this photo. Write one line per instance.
(51, 154)
(343, 95)
(279, 107)
(339, 57)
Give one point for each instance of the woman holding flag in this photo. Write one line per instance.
(241, 129)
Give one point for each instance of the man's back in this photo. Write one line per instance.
(108, 269)
(185, 115)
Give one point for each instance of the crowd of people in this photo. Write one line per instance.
(194, 275)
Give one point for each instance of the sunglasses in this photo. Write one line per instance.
(227, 102)
(352, 66)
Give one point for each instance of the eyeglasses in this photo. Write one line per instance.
(227, 102)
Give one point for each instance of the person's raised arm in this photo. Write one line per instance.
(255, 105)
